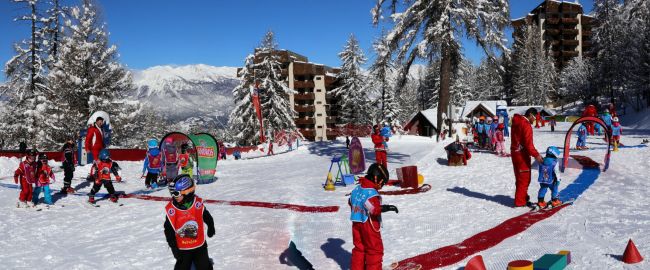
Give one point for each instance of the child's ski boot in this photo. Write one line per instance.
(556, 202)
(70, 190)
(114, 198)
(541, 204)
(91, 199)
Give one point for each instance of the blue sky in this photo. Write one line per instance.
(222, 33)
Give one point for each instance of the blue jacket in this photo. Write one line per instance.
(582, 132)
(153, 152)
(607, 118)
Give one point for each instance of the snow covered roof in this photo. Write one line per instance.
(522, 109)
(432, 116)
(489, 105)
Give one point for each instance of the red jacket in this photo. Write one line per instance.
(378, 140)
(25, 172)
(522, 137)
(94, 139)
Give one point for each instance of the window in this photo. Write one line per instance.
(319, 102)
(319, 90)
(318, 78)
(320, 127)
(320, 114)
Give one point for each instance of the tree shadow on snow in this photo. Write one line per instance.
(328, 148)
(334, 250)
(293, 257)
(500, 199)
(57, 195)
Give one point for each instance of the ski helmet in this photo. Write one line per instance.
(169, 140)
(104, 155)
(184, 147)
(482, 118)
(378, 174)
(615, 119)
(152, 143)
(501, 126)
(42, 157)
(32, 153)
(553, 151)
(183, 185)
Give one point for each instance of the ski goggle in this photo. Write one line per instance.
(176, 193)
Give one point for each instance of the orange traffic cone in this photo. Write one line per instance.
(475, 263)
(631, 254)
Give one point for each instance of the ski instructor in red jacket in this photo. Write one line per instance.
(522, 148)
(95, 138)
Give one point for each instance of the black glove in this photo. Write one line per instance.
(388, 207)
(210, 232)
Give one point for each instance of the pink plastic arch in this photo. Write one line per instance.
(567, 141)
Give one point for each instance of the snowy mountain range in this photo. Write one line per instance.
(192, 93)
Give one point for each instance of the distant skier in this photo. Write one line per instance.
(552, 123)
(171, 159)
(270, 152)
(25, 174)
(68, 165)
(236, 153)
(548, 178)
(481, 130)
(365, 214)
(347, 142)
(153, 164)
(488, 134)
(380, 150)
(607, 118)
(581, 144)
(617, 131)
(184, 225)
(44, 177)
(101, 175)
(186, 160)
(493, 131)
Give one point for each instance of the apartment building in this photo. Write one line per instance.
(565, 29)
(315, 106)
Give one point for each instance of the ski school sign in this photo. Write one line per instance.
(203, 149)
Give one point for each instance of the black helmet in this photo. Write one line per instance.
(32, 153)
(42, 156)
(378, 174)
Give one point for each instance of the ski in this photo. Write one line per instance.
(549, 207)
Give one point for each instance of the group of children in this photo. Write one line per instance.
(34, 175)
(612, 127)
(490, 134)
(161, 166)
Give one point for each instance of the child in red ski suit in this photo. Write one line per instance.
(26, 176)
(380, 151)
(366, 209)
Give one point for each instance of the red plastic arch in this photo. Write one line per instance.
(567, 141)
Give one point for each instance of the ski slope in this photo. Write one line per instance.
(463, 201)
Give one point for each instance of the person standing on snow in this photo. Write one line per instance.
(95, 139)
(365, 214)
(171, 159)
(607, 118)
(500, 141)
(380, 151)
(101, 175)
(44, 177)
(184, 229)
(617, 131)
(522, 149)
(548, 178)
(153, 164)
(25, 174)
(581, 144)
(186, 160)
(68, 165)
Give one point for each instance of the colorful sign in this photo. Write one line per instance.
(356, 156)
(206, 149)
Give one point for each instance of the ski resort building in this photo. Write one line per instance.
(565, 30)
(315, 106)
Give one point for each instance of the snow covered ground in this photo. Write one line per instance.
(463, 201)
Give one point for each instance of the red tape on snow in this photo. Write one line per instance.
(452, 254)
(292, 207)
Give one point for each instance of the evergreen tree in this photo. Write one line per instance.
(437, 26)
(274, 92)
(429, 86)
(637, 52)
(534, 72)
(87, 75)
(575, 80)
(353, 100)
(463, 83)
(25, 117)
(609, 40)
(382, 73)
(243, 120)
(488, 81)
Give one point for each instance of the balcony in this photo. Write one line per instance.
(586, 43)
(303, 84)
(331, 133)
(331, 120)
(586, 33)
(552, 20)
(306, 96)
(553, 32)
(306, 108)
(308, 133)
(570, 42)
(555, 53)
(552, 42)
(570, 53)
(569, 31)
(304, 121)
(570, 20)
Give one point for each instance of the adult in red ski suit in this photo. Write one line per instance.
(95, 138)
(365, 201)
(380, 151)
(522, 149)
